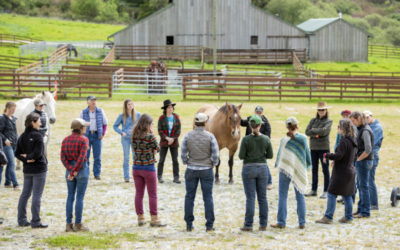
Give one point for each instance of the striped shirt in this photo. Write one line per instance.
(144, 148)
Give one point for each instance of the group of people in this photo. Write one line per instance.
(355, 160)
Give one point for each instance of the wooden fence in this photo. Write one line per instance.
(22, 85)
(14, 40)
(384, 51)
(60, 54)
(256, 56)
(139, 52)
(10, 63)
(248, 88)
(109, 59)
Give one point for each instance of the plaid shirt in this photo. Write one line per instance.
(163, 130)
(74, 148)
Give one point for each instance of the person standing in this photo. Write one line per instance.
(95, 132)
(200, 153)
(30, 150)
(9, 136)
(377, 130)
(73, 156)
(364, 163)
(293, 161)
(39, 104)
(343, 174)
(255, 149)
(128, 120)
(145, 146)
(345, 114)
(265, 129)
(318, 130)
(169, 129)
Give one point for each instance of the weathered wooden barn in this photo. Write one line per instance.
(240, 25)
(334, 39)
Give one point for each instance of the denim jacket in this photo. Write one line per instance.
(127, 127)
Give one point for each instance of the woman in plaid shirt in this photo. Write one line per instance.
(73, 156)
(145, 145)
(169, 129)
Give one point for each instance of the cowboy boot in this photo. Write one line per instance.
(155, 222)
(69, 228)
(141, 220)
(80, 227)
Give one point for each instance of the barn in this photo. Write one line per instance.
(240, 25)
(334, 39)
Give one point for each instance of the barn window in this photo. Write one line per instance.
(170, 1)
(254, 40)
(170, 40)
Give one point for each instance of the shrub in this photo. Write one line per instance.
(393, 35)
(346, 7)
(374, 19)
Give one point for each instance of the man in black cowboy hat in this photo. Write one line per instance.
(169, 129)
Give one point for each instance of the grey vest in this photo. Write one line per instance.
(199, 147)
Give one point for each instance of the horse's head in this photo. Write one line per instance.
(233, 118)
(50, 107)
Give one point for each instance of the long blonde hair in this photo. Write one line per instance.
(125, 111)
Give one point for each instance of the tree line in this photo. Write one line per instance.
(379, 17)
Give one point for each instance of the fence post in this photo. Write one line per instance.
(184, 87)
(341, 90)
(372, 89)
(110, 83)
(249, 84)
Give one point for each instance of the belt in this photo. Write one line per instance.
(93, 132)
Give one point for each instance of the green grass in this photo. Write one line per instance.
(51, 29)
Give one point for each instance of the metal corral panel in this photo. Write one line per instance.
(190, 23)
(339, 41)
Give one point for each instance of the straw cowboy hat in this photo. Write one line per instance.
(322, 105)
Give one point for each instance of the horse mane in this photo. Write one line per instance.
(224, 109)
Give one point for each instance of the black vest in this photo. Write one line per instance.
(360, 141)
(43, 120)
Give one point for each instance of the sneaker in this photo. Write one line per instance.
(344, 220)
(262, 228)
(127, 180)
(269, 186)
(277, 226)
(324, 195)
(176, 180)
(374, 208)
(246, 229)
(25, 224)
(97, 177)
(360, 216)
(324, 220)
(41, 225)
(160, 180)
(311, 193)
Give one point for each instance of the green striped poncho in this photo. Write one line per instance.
(294, 160)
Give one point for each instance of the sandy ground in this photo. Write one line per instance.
(109, 203)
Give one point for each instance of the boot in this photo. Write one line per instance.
(141, 220)
(80, 227)
(69, 228)
(176, 180)
(155, 222)
(324, 220)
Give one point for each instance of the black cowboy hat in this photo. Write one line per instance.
(167, 103)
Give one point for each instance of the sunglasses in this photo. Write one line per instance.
(321, 110)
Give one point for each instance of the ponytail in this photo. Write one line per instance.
(255, 128)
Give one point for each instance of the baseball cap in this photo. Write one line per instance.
(291, 120)
(256, 119)
(91, 97)
(201, 117)
(367, 113)
(38, 102)
(77, 123)
(259, 109)
(345, 112)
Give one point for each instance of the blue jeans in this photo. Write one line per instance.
(269, 176)
(363, 172)
(284, 183)
(96, 144)
(206, 178)
(126, 147)
(331, 206)
(373, 191)
(76, 187)
(10, 169)
(255, 179)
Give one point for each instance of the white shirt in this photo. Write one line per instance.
(92, 116)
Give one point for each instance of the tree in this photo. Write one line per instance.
(289, 10)
(86, 9)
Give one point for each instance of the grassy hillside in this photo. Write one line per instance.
(51, 29)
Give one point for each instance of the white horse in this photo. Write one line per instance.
(25, 107)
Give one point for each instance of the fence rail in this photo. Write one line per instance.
(13, 62)
(15, 40)
(285, 88)
(384, 51)
(138, 52)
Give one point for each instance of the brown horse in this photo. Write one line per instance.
(224, 123)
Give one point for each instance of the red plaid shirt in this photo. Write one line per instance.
(74, 148)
